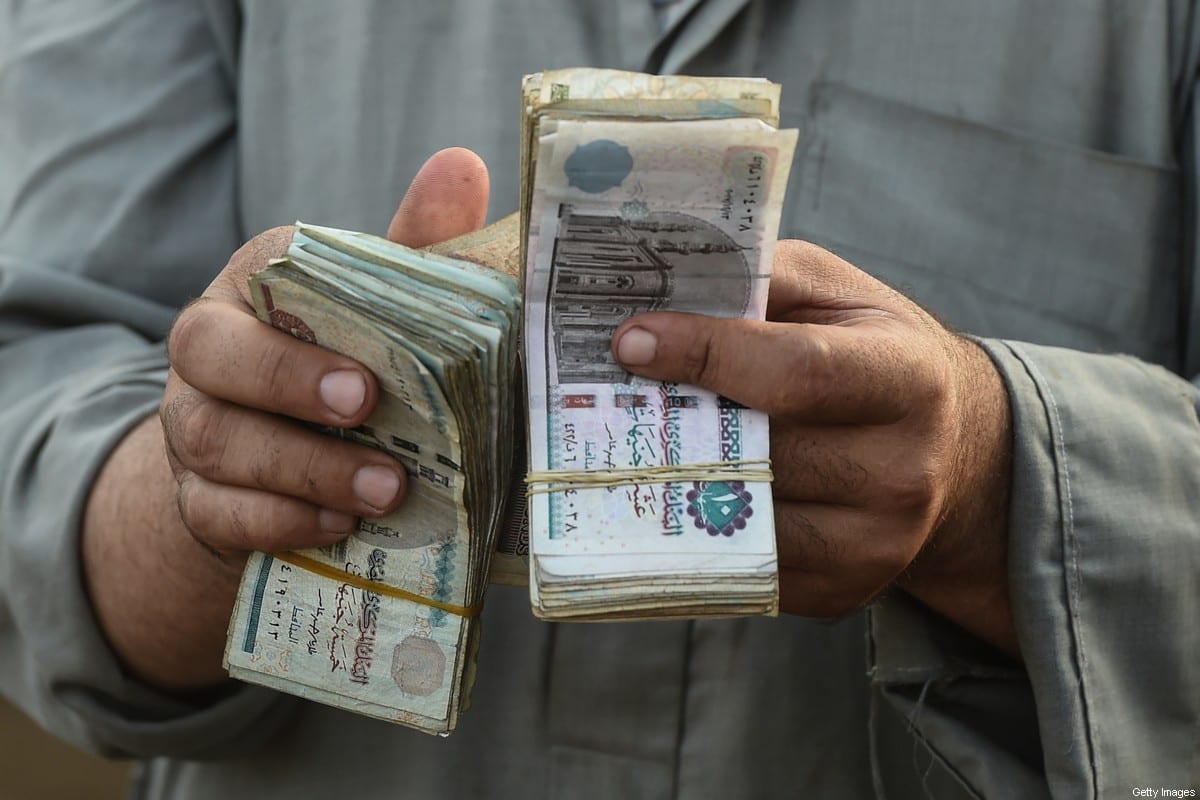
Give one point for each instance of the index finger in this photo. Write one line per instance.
(229, 353)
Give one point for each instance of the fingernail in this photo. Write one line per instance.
(376, 486)
(336, 521)
(343, 391)
(637, 347)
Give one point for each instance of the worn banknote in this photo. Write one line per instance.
(628, 216)
(585, 93)
(385, 623)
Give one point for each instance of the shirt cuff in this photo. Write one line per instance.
(1104, 546)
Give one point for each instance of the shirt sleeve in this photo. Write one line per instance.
(1104, 550)
(116, 204)
(1104, 554)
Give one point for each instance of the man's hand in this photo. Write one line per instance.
(175, 511)
(890, 438)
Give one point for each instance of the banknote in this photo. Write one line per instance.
(628, 217)
(586, 93)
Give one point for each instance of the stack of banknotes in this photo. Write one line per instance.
(644, 499)
(386, 622)
(645, 193)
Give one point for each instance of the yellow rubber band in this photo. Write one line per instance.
(756, 470)
(368, 585)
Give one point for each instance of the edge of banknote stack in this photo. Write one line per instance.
(645, 193)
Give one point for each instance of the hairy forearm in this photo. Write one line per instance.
(962, 573)
(162, 599)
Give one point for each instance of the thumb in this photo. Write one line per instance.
(736, 358)
(447, 198)
(814, 373)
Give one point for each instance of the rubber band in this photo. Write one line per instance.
(753, 470)
(368, 585)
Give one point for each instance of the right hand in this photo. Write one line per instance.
(251, 476)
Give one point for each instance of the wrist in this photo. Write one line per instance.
(161, 601)
(961, 572)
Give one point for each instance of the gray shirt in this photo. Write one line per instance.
(1025, 169)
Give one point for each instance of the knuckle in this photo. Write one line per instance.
(269, 244)
(699, 361)
(188, 334)
(197, 437)
(168, 411)
(930, 384)
(811, 372)
(173, 411)
(711, 356)
(799, 254)
(779, 399)
(192, 510)
(914, 488)
(888, 557)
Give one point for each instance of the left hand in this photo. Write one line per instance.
(227, 468)
(889, 438)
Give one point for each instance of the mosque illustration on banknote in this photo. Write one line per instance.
(608, 267)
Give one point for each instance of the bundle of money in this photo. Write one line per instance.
(645, 193)
(386, 622)
(645, 499)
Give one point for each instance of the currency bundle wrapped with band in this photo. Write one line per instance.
(645, 193)
(646, 500)
(386, 622)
